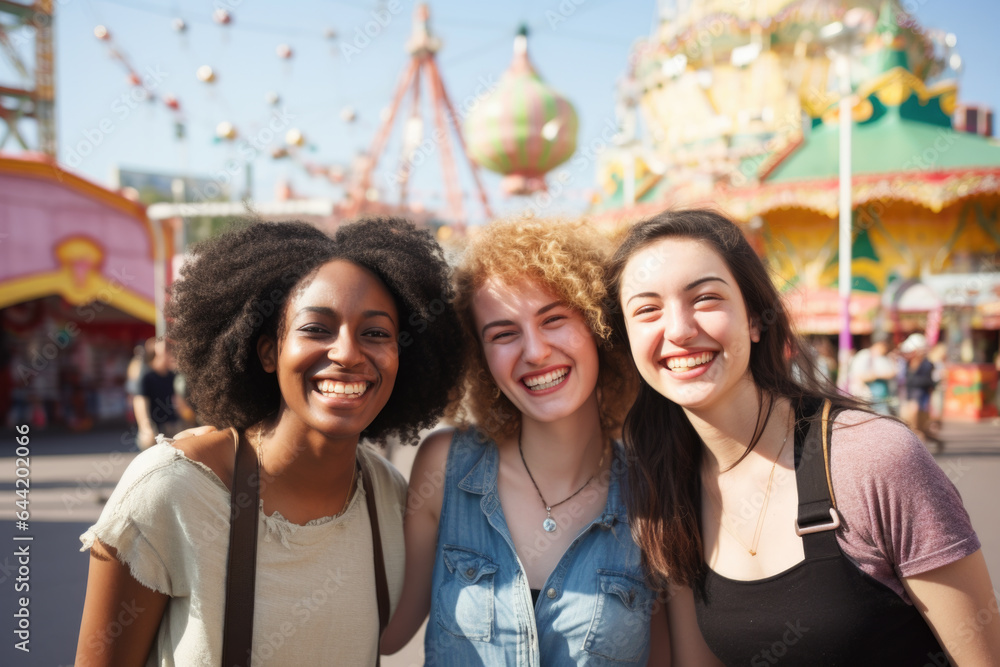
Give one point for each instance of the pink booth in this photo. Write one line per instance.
(76, 294)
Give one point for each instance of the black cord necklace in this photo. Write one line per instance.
(549, 524)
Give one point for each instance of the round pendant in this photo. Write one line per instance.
(549, 525)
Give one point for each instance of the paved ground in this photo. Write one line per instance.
(72, 474)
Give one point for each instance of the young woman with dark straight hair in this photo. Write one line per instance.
(789, 522)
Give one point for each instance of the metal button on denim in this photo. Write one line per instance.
(551, 593)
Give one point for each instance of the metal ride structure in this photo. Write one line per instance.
(35, 97)
(423, 47)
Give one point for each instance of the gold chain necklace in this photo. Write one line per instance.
(752, 548)
(549, 524)
(259, 433)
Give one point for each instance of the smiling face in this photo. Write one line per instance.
(687, 324)
(337, 357)
(540, 352)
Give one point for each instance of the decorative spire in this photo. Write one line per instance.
(890, 48)
(422, 42)
(521, 63)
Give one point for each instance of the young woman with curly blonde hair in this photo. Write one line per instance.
(517, 541)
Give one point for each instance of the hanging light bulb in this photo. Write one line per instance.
(225, 130)
(205, 74)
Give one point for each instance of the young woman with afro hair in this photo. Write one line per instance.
(517, 542)
(301, 345)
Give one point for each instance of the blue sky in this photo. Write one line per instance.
(582, 56)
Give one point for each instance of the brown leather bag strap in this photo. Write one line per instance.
(241, 568)
(381, 583)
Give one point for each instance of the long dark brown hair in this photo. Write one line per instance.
(664, 490)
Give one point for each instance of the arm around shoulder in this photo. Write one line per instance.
(425, 496)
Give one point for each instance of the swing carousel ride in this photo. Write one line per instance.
(521, 129)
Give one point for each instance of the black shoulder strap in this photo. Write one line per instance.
(241, 568)
(381, 583)
(817, 517)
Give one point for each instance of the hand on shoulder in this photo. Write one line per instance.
(215, 449)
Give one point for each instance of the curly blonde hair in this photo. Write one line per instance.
(567, 258)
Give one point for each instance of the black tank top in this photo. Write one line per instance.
(821, 611)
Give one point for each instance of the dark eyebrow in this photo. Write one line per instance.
(706, 279)
(508, 323)
(642, 294)
(330, 312)
(687, 288)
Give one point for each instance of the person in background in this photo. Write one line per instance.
(938, 356)
(872, 374)
(154, 406)
(138, 366)
(826, 358)
(920, 383)
(185, 411)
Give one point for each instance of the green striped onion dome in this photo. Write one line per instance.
(523, 129)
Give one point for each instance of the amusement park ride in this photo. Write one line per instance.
(423, 47)
(521, 129)
(35, 98)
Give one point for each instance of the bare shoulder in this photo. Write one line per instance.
(436, 445)
(428, 473)
(433, 453)
(216, 450)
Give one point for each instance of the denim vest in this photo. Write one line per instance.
(593, 610)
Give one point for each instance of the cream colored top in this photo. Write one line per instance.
(315, 600)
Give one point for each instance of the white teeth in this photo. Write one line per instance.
(335, 388)
(547, 380)
(683, 363)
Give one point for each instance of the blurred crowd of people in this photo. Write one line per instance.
(905, 381)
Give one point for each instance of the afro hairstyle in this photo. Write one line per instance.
(234, 288)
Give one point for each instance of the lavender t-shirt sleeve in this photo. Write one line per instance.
(901, 514)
